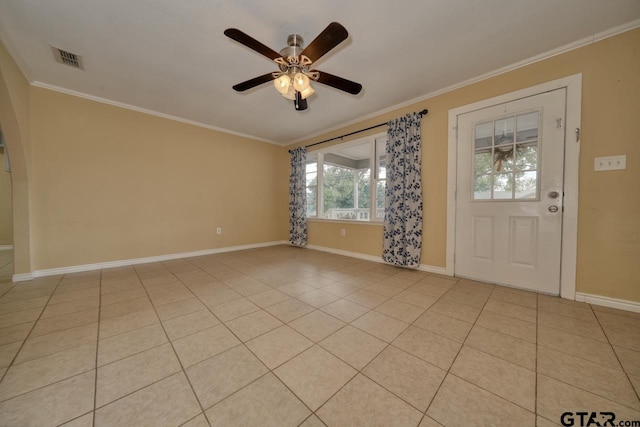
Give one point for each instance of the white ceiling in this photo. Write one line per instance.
(171, 57)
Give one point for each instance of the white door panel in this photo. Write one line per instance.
(508, 222)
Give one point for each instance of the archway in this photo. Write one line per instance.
(6, 216)
(14, 119)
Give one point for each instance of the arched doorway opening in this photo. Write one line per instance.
(14, 122)
(6, 215)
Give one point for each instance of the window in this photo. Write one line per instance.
(340, 184)
(505, 165)
(381, 177)
(312, 184)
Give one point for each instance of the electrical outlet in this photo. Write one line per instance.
(343, 232)
(219, 230)
(610, 163)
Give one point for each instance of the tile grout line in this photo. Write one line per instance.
(497, 357)
(192, 419)
(637, 393)
(597, 342)
(590, 361)
(175, 353)
(51, 295)
(360, 371)
(309, 417)
(448, 371)
(142, 351)
(314, 343)
(95, 385)
(75, 418)
(54, 382)
(272, 371)
(47, 385)
(591, 392)
(582, 358)
(269, 370)
(35, 322)
(137, 390)
(389, 344)
(240, 343)
(6, 291)
(583, 336)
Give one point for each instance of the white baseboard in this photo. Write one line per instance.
(620, 304)
(6, 247)
(434, 269)
(121, 263)
(357, 255)
(22, 277)
(422, 267)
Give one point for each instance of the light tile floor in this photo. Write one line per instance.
(283, 336)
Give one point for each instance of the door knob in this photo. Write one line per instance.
(553, 209)
(553, 194)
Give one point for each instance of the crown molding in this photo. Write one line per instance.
(629, 26)
(520, 64)
(147, 111)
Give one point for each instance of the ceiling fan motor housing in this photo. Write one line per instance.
(294, 48)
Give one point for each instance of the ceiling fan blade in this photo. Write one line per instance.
(251, 43)
(256, 81)
(331, 37)
(339, 83)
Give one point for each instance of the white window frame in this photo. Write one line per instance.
(373, 167)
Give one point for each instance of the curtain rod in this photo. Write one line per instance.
(422, 114)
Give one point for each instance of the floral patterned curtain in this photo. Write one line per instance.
(298, 197)
(403, 196)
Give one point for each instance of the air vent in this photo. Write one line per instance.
(65, 57)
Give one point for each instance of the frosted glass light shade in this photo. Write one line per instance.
(282, 84)
(290, 94)
(300, 82)
(307, 92)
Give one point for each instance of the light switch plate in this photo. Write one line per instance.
(610, 163)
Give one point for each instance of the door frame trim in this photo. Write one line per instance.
(573, 85)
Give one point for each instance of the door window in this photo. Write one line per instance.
(505, 165)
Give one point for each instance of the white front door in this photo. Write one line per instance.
(510, 192)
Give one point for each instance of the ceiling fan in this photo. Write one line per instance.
(294, 62)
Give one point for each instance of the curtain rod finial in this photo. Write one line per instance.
(424, 112)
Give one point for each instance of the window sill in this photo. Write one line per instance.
(345, 221)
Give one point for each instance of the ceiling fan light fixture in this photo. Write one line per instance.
(300, 82)
(290, 94)
(307, 92)
(282, 84)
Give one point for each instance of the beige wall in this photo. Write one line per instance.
(14, 121)
(111, 184)
(6, 214)
(609, 207)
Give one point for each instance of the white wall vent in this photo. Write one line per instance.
(65, 57)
